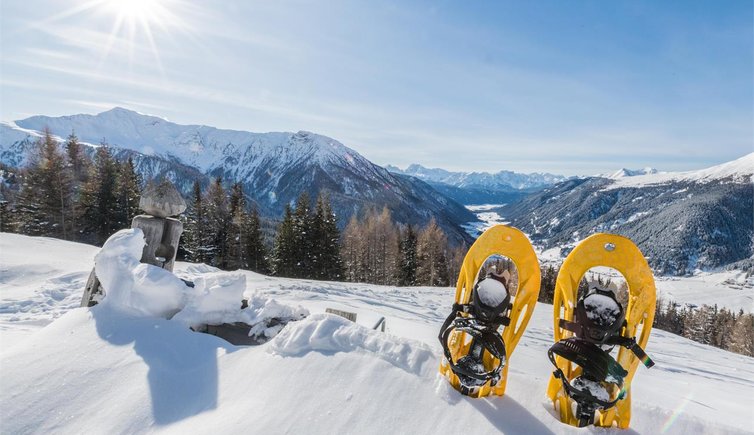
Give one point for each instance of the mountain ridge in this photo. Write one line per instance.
(273, 167)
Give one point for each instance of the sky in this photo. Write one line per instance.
(574, 88)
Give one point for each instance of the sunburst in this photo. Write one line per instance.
(134, 22)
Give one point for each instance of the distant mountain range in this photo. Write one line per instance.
(480, 187)
(273, 167)
(682, 221)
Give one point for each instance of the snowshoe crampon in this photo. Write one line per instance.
(588, 385)
(476, 350)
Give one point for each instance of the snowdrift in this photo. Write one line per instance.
(105, 370)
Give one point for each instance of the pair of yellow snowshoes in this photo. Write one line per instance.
(491, 312)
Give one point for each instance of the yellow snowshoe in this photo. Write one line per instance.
(588, 385)
(476, 350)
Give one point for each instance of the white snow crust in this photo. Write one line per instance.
(68, 370)
(601, 309)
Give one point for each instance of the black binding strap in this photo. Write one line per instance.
(615, 340)
(484, 337)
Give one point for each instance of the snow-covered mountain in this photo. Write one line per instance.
(683, 221)
(73, 370)
(471, 188)
(623, 172)
(274, 167)
(499, 181)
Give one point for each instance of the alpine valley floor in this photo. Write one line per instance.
(73, 370)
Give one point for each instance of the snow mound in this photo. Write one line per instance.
(146, 290)
(329, 334)
(133, 286)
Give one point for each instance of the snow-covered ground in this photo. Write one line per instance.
(487, 218)
(77, 370)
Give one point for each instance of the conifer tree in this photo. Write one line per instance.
(408, 258)
(303, 247)
(236, 252)
(256, 252)
(45, 198)
(79, 165)
(128, 192)
(328, 264)
(217, 221)
(195, 231)
(99, 216)
(77, 160)
(547, 285)
(284, 260)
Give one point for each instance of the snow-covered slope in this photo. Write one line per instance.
(99, 371)
(274, 167)
(740, 170)
(684, 222)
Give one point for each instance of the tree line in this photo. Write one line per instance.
(220, 229)
(67, 195)
(377, 250)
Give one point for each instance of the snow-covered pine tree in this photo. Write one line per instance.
(256, 252)
(44, 204)
(407, 257)
(128, 192)
(284, 251)
(99, 217)
(432, 269)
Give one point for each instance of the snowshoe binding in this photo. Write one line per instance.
(588, 385)
(487, 320)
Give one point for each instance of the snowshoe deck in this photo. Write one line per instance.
(621, 254)
(512, 243)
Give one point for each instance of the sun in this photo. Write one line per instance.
(139, 20)
(137, 10)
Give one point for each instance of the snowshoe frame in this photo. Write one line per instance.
(621, 254)
(512, 243)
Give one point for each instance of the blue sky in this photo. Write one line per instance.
(575, 87)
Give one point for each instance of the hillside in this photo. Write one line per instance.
(683, 222)
(91, 369)
(273, 167)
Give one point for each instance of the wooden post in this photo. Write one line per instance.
(161, 233)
